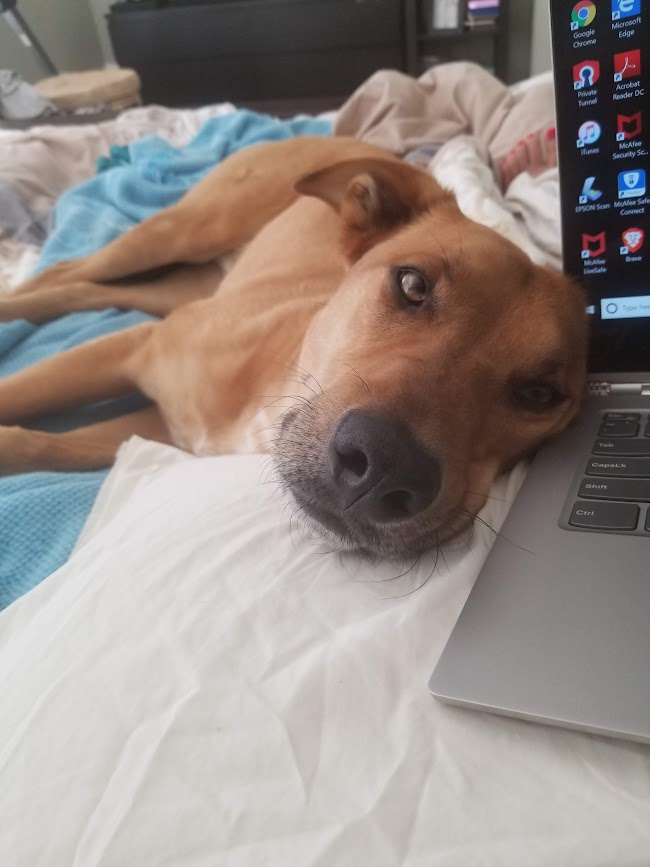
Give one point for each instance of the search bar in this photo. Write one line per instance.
(633, 307)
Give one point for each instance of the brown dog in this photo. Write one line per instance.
(421, 352)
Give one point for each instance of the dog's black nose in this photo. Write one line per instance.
(379, 469)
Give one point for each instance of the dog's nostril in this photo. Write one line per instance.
(380, 471)
(397, 504)
(353, 460)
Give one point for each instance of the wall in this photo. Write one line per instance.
(65, 28)
(100, 9)
(540, 60)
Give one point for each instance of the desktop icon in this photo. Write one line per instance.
(589, 194)
(632, 241)
(588, 133)
(625, 9)
(631, 184)
(583, 14)
(593, 245)
(627, 64)
(628, 126)
(586, 74)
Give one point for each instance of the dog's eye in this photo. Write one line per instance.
(537, 396)
(413, 287)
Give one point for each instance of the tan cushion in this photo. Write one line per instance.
(73, 90)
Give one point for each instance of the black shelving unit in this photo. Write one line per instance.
(300, 54)
(491, 45)
(285, 56)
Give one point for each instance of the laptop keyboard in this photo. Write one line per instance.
(614, 492)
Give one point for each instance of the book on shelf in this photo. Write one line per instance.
(482, 13)
(482, 5)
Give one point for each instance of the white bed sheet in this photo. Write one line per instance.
(198, 686)
(201, 686)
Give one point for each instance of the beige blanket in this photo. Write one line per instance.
(400, 113)
(476, 120)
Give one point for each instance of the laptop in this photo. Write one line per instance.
(557, 627)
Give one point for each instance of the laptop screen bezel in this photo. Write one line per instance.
(619, 344)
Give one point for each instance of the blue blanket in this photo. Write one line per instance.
(41, 514)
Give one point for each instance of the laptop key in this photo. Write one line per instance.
(647, 520)
(621, 447)
(634, 490)
(647, 429)
(622, 416)
(619, 429)
(605, 516)
(627, 467)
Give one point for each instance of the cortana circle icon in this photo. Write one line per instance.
(611, 308)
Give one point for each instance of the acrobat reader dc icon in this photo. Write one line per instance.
(625, 9)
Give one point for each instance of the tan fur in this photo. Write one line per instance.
(306, 316)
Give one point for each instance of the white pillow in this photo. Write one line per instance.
(198, 686)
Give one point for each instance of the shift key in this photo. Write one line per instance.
(633, 490)
(638, 468)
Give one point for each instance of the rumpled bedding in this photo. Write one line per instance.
(41, 519)
(151, 174)
(144, 172)
(203, 685)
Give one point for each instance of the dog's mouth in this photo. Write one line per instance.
(365, 482)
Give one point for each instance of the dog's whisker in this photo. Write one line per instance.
(475, 517)
(357, 374)
(305, 373)
(294, 367)
(489, 497)
(426, 580)
(415, 562)
(297, 400)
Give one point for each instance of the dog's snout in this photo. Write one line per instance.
(379, 468)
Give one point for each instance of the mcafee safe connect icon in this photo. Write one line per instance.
(631, 184)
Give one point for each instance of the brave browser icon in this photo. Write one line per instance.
(632, 241)
(586, 74)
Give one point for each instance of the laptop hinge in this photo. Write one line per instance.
(604, 389)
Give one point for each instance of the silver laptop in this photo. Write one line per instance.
(557, 627)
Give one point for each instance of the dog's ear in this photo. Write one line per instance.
(373, 196)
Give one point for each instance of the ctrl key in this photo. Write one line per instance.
(605, 516)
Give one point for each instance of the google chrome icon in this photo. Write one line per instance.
(583, 14)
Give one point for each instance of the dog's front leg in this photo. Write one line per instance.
(87, 448)
(96, 370)
(152, 244)
(159, 297)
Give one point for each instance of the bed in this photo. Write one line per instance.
(201, 682)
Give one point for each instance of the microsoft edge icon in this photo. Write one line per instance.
(625, 9)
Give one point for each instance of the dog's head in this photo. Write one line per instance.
(444, 356)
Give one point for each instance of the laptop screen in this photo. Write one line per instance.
(601, 52)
